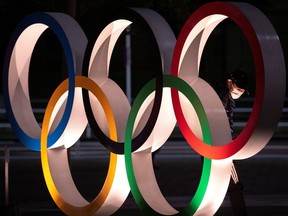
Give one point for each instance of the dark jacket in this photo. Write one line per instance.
(228, 103)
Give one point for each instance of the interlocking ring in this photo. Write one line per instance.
(96, 66)
(16, 71)
(190, 43)
(139, 130)
(147, 194)
(61, 187)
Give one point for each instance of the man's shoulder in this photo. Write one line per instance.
(222, 91)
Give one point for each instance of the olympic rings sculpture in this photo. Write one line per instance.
(131, 134)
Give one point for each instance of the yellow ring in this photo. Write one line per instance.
(95, 205)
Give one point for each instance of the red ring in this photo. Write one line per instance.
(234, 13)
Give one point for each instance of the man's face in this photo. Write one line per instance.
(236, 92)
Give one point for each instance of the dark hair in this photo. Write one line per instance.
(240, 78)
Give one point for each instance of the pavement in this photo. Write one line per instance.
(264, 177)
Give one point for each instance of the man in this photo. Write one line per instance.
(237, 84)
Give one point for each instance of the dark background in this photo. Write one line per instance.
(225, 50)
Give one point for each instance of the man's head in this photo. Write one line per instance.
(238, 83)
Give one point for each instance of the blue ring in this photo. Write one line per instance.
(56, 27)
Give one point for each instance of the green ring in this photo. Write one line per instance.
(180, 85)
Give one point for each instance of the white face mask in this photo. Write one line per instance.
(236, 92)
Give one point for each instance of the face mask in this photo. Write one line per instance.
(236, 92)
